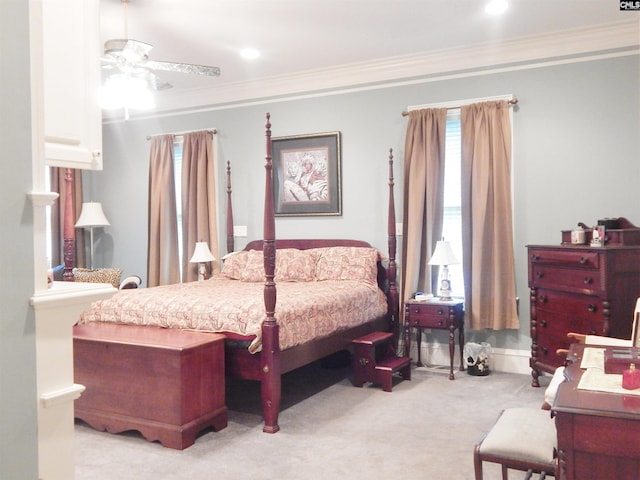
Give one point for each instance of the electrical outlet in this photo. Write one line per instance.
(239, 230)
(398, 229)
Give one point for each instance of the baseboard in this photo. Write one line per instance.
(502, 359)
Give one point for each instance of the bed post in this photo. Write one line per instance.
(69, 231)
(270, 355)
(392, 295)
(230, 239)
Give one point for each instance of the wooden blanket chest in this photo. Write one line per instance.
(167, 384)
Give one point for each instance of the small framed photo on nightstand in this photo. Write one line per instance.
(597, 237)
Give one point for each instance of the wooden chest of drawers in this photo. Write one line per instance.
(581, 289)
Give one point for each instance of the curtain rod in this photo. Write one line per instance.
(212, 131)
(511, 101)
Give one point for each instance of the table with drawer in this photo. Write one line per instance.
(437, 314)
(582, 289)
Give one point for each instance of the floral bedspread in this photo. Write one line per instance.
(304, 310)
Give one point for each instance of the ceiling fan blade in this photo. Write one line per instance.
(136, 51)
(183, 68)
(132, 51)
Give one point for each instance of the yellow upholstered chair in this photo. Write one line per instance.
(98, 275)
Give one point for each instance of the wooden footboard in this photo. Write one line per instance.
(242, 364)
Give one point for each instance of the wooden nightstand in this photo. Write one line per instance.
(438, 314)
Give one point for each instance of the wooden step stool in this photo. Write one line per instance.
(375, 360)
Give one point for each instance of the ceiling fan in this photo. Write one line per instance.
(131, 57)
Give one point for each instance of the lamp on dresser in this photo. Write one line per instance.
(443, 256)
(92, 216)
(201, 256)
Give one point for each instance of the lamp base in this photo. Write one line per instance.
(202, 272)
(445, 284)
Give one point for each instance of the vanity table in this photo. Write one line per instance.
(598, 432)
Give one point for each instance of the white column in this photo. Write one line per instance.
(56, 311)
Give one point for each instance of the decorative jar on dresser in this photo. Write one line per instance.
(582, 289)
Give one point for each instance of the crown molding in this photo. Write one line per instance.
(570, 45)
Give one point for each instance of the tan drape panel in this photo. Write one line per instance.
(199, 222)
(162, 261)
(58, 185)
(423, 197)
(487, 228)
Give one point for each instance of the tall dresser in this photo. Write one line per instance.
(582, 289)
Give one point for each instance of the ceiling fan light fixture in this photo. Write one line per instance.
(121, 90)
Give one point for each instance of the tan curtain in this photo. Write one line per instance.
(199, 222)
(487, 233)
(423, 196)
(59, 185)
(162, 262)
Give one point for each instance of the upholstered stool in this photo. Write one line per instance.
(522, 439)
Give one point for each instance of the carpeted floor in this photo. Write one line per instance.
(425, 429)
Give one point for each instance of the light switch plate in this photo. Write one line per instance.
(239, 230)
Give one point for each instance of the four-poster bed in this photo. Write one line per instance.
(283, 337)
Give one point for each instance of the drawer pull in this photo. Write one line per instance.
(545, 351)
(543, 323)
(440, 323)
(539, 275)
(542, 299)
(587, 280)
(535, 257)
(583, 260)
(591, 308)
(440, 311)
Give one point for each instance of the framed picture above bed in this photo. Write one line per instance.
(307, 175)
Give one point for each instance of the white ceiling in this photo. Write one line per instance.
(322, 43)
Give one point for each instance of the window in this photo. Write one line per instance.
(452, 218)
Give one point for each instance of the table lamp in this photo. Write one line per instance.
(443, 256)
(202, 255)
(92, 216)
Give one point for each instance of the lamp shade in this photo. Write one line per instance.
(443, 254)
(202, 253)
(92, 216)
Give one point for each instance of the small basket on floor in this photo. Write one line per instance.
(476, 358)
